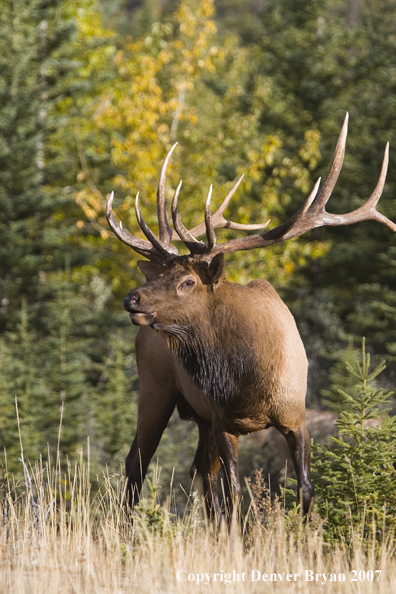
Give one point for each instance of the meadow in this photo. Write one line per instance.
(55, 536)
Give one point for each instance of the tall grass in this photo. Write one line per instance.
(56, 536)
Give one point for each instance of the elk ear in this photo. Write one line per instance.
(216, 269)
(150, 269)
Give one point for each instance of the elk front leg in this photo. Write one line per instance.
(207, 465)
(300, 451)
(227, 447)
(150, 427)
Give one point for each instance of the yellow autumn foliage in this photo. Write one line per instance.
(159, 93)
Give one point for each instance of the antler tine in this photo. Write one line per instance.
(141, 246)
(165, 250)
(227, 199)
(193, 244)
(294, 220)
(210, 233)
(376, 195)
(309, 201)
(165, 232)
(368, 209)
(335, 168)
(220, 222)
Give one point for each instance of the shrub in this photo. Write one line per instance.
(355, 475)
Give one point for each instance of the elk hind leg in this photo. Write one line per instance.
(300, 452)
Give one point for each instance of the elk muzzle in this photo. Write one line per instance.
(137, 313)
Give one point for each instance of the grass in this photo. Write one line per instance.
(55, 536)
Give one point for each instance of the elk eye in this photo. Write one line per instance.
(187, 283)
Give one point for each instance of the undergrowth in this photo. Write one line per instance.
(58, 535)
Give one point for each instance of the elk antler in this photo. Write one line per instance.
(312, 214)
(159, 249)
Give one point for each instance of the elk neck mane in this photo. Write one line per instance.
(220, 360)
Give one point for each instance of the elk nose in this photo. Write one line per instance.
(131, 301)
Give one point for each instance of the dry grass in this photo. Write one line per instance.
(56, 537)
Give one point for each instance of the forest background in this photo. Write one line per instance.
(93, 94)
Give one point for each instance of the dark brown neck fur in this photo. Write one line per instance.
(217, 352)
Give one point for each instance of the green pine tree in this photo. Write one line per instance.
(355, 476)
(20, 387)
(50, 60)
(25, 27)
(339, 378)
(114, 406)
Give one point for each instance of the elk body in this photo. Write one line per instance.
(227, 356)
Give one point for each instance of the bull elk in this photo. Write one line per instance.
(227, 356)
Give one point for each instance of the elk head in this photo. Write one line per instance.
(185, 285)
(185, 280)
